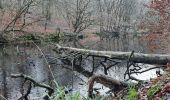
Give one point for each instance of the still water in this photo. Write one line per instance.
(27, 59)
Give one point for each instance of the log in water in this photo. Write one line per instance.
(137, 57)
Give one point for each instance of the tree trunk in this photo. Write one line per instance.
(137, 57)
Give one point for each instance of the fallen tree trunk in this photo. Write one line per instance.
(136, 58)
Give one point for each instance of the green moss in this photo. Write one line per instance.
(55, 37)
(132, 93)
(29, 37)
(153, 90)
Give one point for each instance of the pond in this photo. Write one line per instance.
(28, 59)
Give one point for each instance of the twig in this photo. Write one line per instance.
(133, 78)
(145, 70)
(50, 89)
(72, 78)
(128, 65)
(105, 68)
(18, 14)
(27, 93)
(45, 61)
(3, 97)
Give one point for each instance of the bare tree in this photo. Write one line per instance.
(78, 14)
(115, 17)
(46, 11)
(22, 14)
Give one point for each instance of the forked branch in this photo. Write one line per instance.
(28, 78)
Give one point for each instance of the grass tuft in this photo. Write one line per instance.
(132, 93)
(153, 90)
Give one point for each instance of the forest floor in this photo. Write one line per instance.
(155, 89)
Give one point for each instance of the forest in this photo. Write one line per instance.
(84, 49)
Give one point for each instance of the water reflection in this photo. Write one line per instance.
(28, 60)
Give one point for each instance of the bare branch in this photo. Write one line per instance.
(50, 89)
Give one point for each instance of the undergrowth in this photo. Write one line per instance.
(132, 93)
(153, 90)
(54, 38)
(61, 95)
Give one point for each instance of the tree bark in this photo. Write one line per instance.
(159, 59)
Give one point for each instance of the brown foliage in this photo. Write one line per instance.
(157, 22)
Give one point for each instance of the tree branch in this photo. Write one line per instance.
(113, 84)
(50, 89)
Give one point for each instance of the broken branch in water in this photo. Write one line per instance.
(25, 96)
(129, 63)
(113, 84)
(28, 78)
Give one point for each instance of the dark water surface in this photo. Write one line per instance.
(27, 59)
